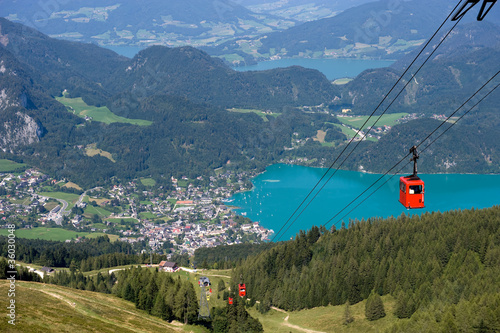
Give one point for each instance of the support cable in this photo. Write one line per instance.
(366, 121)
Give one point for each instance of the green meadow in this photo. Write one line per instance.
(358, 121)
(260, 113)
(101, 114)
(9, 166)
(54, 234)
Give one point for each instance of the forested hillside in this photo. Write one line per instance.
(443, 268)
(193, 74)
(60, 254)
(468, 147)
(224, 257)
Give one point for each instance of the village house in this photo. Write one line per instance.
(47, 270)
(168, 266)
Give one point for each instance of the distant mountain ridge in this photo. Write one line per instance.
(144, 23)
(95, 73)
(382, 29)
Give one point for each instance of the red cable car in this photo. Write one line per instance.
(412, 188)
(242, 290)
(230, 300)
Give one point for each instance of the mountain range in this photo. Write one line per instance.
(184, 94)
(382, 29)
(171, 87)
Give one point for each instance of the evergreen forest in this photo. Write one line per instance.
(443, 269)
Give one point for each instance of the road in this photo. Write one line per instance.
(80, 199)
(62, 212)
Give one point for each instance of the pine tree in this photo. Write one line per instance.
(348, 318)
(352, 280)
(159, 308)
(221, 286)
(374, 308)
(186, 303)
(448, 324)
(128, 292)
(405, 306)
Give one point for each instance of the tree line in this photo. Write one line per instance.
(86, 255)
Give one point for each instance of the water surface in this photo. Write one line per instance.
(280, 190)
(332, 68)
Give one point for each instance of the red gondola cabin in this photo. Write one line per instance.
(411, 192)
(230, 300)
(242, 290)
(411, 188)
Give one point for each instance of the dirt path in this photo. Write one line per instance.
(287, 324)
(72, 304)
(279, 310)
(201, 272)
(223, 276)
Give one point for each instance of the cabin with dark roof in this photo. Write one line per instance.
(168, 266)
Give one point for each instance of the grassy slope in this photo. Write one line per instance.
(357, 122)
(55, 234)
(93, 152)
(102, 114)
(148, 181)
(91, 210)
(72, 185)
(50, 308)
(125, 219)
(39, 305)
(347, 131)
(326, 319)
(8, 165)
(260, 113)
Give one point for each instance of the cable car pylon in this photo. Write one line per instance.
(204, 311)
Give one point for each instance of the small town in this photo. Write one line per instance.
(188, 215)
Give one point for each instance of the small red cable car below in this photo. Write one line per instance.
(242, 290)
(412, 188)
(230, 300)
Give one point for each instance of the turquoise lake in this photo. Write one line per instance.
(280, 190)
(332, 68)
(126, 51)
